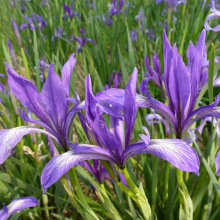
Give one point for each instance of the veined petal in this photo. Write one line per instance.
(59, 165)
(9, 138)
(26, 92)
(17, 205)
(54, 98)
(130, 106)
(217, 163)
(177, 152)
(67, 72)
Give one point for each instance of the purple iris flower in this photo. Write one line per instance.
(2, 88)
(81, 40)
(117, 79)
(182, 86)
(115, 7)
(17, 205)
(43, 68)
(12, 54)
(115, 143)
(32, 22)
(154, 74)
(214, 14)
(16, 32)
(58, 33)
(91, 5)
(70, 12)
(133, 35)
(50, 107)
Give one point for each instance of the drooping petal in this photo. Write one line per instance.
(9, 138)
(26, 92)
(130, 106)
(17, 205)
(203, 112)
(67, 72)
(176, 151)
(217, 163)
(54, 98)
(59, 165)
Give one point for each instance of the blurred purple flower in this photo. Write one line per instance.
(171, 3)
(91, 5)
(214, 14)
(133, 35)
(58, 33)
(32, 22)
(16, 32)
(117, 79)
(43, 68)
(70, 12)
(17, 205)
(115, 7)
(81, 40)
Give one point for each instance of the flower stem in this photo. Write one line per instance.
(137, 194)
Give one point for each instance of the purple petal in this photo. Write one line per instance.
(176, 151)
(59, 165)
(23, 26)
(217, 163)
(116, 97)
(26, 92)
(16, 32)
(17, 205)
(68, 10)
(54, 97)
(150, 117)
(106, 137)
(130, 106)
(67, 72)
(90, 40)
(203, 112)
(9, 138)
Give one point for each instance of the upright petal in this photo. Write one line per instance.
(130, 106)
(54, 98)
(17, 205)
(9, 138)
(26, 92)
(59, 165)
(67, 72)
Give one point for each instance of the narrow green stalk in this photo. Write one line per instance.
(138, 195)
(80, 195)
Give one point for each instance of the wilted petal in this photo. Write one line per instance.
(217, 163)
(17, 205)
(59, 165)
(9, 138)
(67, 72)
(54, 97)
(130, 106)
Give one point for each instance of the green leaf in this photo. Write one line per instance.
(36, 56)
